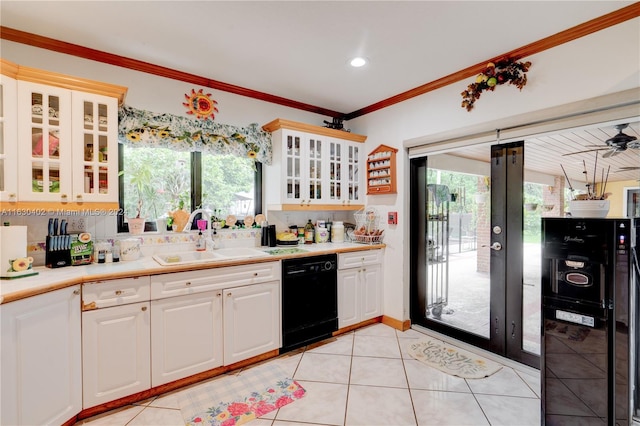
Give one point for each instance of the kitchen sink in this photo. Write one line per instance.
(240, 252)
(188, 257)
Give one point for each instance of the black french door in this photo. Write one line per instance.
(467, 252)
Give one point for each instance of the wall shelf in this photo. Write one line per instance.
(381, 171)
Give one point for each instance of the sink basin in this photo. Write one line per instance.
(186, 257)
(240, 252)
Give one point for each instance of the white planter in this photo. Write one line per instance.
(589, 208)
(481, 197)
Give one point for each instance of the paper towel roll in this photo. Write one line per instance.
(13, 245)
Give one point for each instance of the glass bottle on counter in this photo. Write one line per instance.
(309, 232)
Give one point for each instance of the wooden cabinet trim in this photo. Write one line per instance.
(34, 75)
(280, 123)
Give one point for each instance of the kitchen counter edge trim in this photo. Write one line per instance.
(148, 267)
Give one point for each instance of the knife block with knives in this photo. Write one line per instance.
(58, 245)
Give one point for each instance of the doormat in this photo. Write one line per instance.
(237, 399)
(452, 360)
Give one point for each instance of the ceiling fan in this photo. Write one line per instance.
(615, 145)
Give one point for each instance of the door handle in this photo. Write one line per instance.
(495, 246)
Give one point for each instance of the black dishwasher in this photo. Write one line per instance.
(309, 300)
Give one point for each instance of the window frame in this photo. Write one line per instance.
(195, 167)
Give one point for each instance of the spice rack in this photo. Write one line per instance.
(381, 171)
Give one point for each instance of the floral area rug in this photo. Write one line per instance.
(237, 399)
(452, 360)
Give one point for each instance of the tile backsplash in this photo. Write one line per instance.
(104, 228)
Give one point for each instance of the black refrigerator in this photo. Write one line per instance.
(589, 351)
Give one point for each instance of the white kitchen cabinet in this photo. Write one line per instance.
(316, 168)
(186, 336)
(41, 359)
(66, 137)
(188, 313)
(251, 321)
(8, 133)
(359, 287)
(116, 339)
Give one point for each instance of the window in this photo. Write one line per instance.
(155, 181)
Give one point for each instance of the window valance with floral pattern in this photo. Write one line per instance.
(140, 128)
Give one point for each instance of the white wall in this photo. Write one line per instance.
(599, 64)
(595, 65)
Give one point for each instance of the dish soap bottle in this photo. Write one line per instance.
(201, 244)
(309, 233)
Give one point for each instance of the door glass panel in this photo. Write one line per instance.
(89, 179)
(89, 118)
(2, 174)
(54, 179)
(457, 224)
(1, 137)
(37, 108)
(53, 111)
(536, 204)
(37, 177)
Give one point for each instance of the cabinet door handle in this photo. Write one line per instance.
(79, 196)
(119, 292)
(255, 274)
(12, 195)
(144, 308)
(219, 294)
(229, 294)
(76, 292)
(63, 196)
(187, 283)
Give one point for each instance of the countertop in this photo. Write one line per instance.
(50, 279)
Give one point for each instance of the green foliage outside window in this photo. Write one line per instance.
(158, 180)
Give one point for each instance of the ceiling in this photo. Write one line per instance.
(545, 154)
(299, 50)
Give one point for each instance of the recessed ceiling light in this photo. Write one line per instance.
(358, 62)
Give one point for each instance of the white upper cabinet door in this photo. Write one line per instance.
(95, 147)
(8, 139)
(44, 143)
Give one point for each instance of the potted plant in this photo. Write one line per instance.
(141, 179)
(481, 197)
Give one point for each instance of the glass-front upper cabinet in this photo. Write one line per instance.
(335, 159)
(314, 158)
(318, 168)
(353, 163)
(44, 142)
(8, 139)
(95, 147)
(292, 158)
(66, 138)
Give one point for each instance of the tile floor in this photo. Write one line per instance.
(367, 378)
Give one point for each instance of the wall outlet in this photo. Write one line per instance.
(77, 225)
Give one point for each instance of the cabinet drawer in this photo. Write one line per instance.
(181, 283)
(102, 294)
(359, 258)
